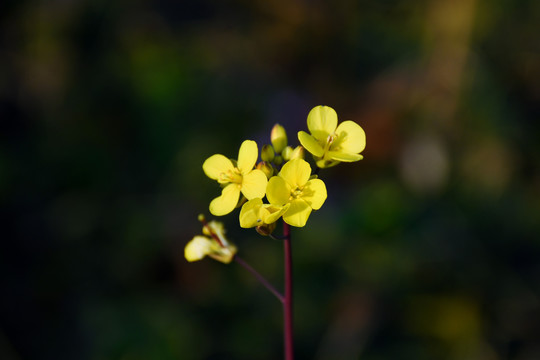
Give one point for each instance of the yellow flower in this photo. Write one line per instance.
(255, 213)
(235, 179)
(293, 187)
(329, 143)
(215, 244)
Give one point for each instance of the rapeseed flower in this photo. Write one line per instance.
(293, 187)
(329, 143)
(236, 178)
(255, 213)
(214, 244)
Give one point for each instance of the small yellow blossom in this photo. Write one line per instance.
(294, 188)
(329, 143)
(215, 244)
(255, 213)
(235, 178)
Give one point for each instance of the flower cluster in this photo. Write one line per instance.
(283, 176)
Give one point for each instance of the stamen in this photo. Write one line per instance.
(231, 176)
(296, 193)
(329, 141)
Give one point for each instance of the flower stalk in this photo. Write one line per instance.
(261, 278)
(288, 300)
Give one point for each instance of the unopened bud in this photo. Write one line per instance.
(278, 136)
(266, 229)
(201, 218)
(278, 160)
(266, 168)
(267, 153)
(298, 153)
(287, 152)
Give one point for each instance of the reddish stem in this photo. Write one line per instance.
(288, 300)
(259, 277)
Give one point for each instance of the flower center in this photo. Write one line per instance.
(296, 193)
(230, 176)
(331, 139)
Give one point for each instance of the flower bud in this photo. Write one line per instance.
(266, 168)
(287, 152)
(278, 136)
(278, 160)
(266, 229)
(298, 153)
(267, 153)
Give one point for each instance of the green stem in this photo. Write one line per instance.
(288, 300)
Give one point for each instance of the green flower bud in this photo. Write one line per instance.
(298, 153)
(278, 160)
(267, 153)
(266, 168)
(287, 152)
(278, 136)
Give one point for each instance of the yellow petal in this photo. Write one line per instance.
(321, 122)
(298, 213)
(278, 191)
(224, 204)
(215, 165)
(217, 228)
(296, 172)
(314, 193)
(247, 156)
(310, 143)
(254, 184)
(197, 248)
(271, 213)
(250, 213)
(345, 157)
(224, 254)
(351, 137)
(213, 226)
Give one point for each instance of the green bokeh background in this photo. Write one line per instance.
(429, 248)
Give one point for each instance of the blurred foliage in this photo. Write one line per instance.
(427, 249)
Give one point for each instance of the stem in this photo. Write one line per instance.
(260, 278)
(288, 300)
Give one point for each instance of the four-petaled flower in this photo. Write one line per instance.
(329, 143)
(214, 244)
(241, 178)
(293, 187)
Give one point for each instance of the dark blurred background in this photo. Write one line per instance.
(429, 248)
